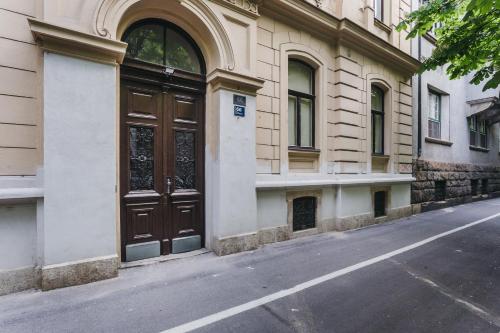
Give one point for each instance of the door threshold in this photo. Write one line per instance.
(155, 260)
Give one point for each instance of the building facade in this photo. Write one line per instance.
(456, 136)
(132, 129)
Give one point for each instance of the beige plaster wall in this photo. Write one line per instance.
(343, 80)
(343, 136)
(20, 118)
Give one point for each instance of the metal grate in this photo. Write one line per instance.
(484, 186)
(379, 203)
(474, 186)
(304, 213)
(440, 190)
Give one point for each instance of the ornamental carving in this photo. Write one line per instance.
(251, 6)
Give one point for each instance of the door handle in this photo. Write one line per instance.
(168, 184)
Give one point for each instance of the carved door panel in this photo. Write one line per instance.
(161, 166)
(184, 168)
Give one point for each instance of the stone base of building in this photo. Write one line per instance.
(365, 220)
(440, 184)
(20, 279)
(251, 241)
(81, 272)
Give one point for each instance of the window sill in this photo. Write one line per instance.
(303, 151)
(430, 38)
(382, 25)
(428, 139)
(481, 149)
(381, 157)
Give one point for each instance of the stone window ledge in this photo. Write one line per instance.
(481, 149)
(266, 182)
(438, 141)
(382, 25)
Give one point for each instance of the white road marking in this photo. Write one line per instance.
(210, 319)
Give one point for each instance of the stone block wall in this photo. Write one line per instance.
(458, 178)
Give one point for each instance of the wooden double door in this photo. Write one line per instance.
(161, 163)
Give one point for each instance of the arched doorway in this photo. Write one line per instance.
(162, 121)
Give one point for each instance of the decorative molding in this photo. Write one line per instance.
(246, 7)
(224, 79)
(316, 21)
(267, 182)
(109, 14)
(62, 40)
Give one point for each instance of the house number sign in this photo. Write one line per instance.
(240, 103)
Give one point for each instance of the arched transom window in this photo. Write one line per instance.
(161, 43)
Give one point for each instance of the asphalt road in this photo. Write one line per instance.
(402, 276)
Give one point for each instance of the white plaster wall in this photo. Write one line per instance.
(327, 208)
(353, 200)
(235, 174)
(460, 91)
(17, 236)
(400, 196)
(79, 159)
(271, 209)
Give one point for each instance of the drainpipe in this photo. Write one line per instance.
(419, 103)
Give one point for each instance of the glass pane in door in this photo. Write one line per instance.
(185, 166)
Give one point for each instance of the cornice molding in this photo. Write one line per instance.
(62, 40)
(358, 38)
(246, 7)
(224, 79)
(343, 31)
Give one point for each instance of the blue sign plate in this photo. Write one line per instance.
(239, 111)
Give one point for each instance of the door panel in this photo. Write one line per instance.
(162, 169)
(186, 165)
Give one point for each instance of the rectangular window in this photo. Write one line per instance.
(377, 108)
(378, 7)
(478, 132)
(300, 104)
(434, 115)
(379, 203)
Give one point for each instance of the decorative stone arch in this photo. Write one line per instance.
(387, 87)
(320, 63)
(112, 17)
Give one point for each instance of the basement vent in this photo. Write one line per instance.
(304, 213)
(474, 186)
(440, 190)
(379, 203)
(484, 186)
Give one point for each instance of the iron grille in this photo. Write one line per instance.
(304, 213)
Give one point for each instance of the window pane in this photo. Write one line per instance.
(483, 141)
(300, 77)
(146, 43)
(434, 129)
(434, 106)
(377, 99)
(482, 127)
(378, 9)
(378, 133)
(292, 121)
(180, 53)
(306, 121)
